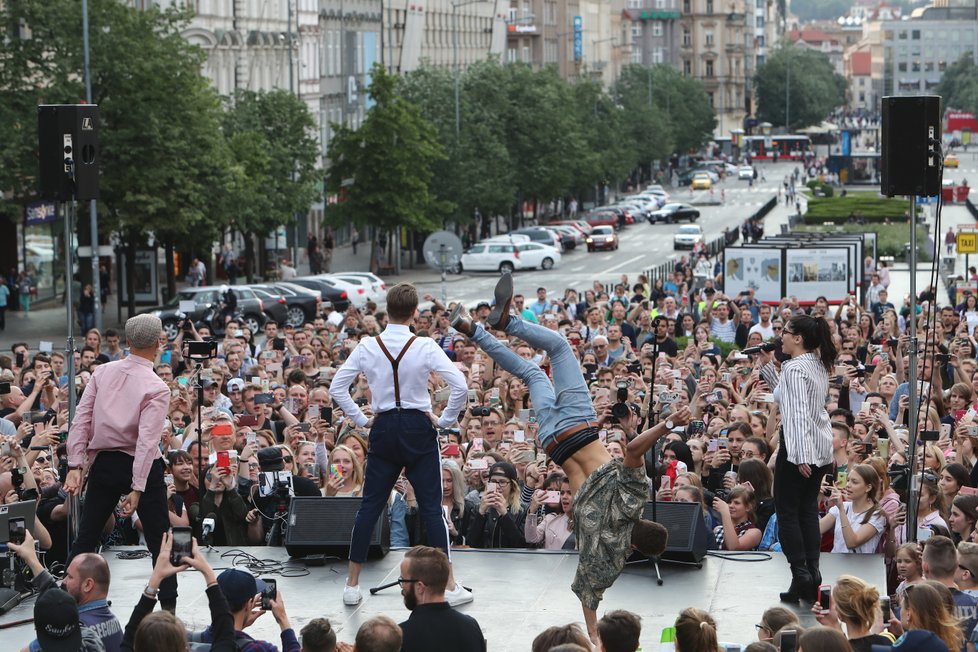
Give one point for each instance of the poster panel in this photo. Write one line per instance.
(757, 268)
(818, 271)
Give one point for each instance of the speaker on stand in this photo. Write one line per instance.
(689, 539)
(911, 153)
(322, 526)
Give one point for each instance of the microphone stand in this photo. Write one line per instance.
(201, 487)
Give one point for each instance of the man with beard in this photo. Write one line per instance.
(424, 575)
(87, 581)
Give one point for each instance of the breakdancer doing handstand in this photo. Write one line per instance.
(610, 494)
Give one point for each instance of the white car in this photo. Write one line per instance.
(687, 236)
(375, 281)
(363, 286)
(570, 231)
(355, 290)
(534, 254)
(492, 257)
(745, 172)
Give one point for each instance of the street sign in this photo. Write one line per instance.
(968, 243)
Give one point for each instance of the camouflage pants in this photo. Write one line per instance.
(608, 504)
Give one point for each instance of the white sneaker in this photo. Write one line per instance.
(459, 596)
(352, 595)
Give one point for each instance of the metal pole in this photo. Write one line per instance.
(295, 216)
(912, 378)
(787, 93)
(455, 59)
(92, 205)
(69, 208)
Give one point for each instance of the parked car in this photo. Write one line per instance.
(624, 217)
(541, 235)
(533, 254)
(951, 161)
(376, 282)
(273, 302)
(328, 290)
(362, 287)
(573, 238)
(745, 173)
(206, 299)
(491, 257)
(701, 181)
(302, 304)
(580, 225)
(602, 218)
(687, 236)
(637, 208)
(673, 213)
(602, 237)
(356, 290)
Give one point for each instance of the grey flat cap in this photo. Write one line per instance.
(143, 331)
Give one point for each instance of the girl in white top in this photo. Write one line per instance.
(556, 529)
(859, 522)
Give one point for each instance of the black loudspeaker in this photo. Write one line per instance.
(67, 137)
(688, 537)
(320, 525)
(911, 158)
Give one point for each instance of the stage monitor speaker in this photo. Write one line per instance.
(67, 137)
(688, 537)
(320, 525)
(911, 158)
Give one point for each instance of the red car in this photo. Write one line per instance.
(602, 237)
(602, 218)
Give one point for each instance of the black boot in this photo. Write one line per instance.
(816, 576)
(801, 584)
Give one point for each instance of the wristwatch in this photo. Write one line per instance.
(150, 592)
(669, 424)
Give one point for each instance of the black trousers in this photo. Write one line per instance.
(109, 478)
(401, 439)
(796, 504)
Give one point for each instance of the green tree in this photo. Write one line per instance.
(609, 154)
(959, 85)
(271, 134)
(163, 161)
(384, 168)
(814, 89)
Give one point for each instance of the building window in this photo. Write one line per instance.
(709, 69)
(687, 38)
(915, 66)
(687, 68)
(928, 66)
(902, 35)
(760, 22)
(915, 35)
(709, 6)
(526, 9)
(862, 96)
(760, 41)
(710, 96)
(637, 56)
(636, 32)
(658, 56)
(526, 54)
(511, 55)
(686, 9)
(708, 37)
(902, 66)
(660, 4)
(656, 28)
(635, 4)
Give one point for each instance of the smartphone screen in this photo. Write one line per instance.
(183, 545)
(247, 420)
(269, 594)
(18, 530)
(223, 459)
(452, 450)
(824, 596)
(789, 640)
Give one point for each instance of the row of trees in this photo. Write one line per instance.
(959, 85)
(521, 135)
(178, 163)
(797, 85)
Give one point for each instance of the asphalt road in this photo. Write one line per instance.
(641, 245)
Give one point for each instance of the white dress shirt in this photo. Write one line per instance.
(800, 392)
(423, 358)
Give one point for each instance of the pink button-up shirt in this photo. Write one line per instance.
(123, 409)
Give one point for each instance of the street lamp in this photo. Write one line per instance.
(455, 5)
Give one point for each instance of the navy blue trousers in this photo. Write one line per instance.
(401, 439)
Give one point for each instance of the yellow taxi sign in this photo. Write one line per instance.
(968, 242)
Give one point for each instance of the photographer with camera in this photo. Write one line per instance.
(121, 445)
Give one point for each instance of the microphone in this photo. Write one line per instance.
(207, 526)
(767, 346)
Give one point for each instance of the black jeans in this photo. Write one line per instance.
(796, 504)
(109, 478)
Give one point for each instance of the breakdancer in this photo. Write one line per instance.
(610, 494)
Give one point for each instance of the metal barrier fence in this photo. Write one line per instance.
(971, 208)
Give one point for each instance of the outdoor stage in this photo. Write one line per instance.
(517, 594)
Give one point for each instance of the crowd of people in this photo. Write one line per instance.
(646, 351)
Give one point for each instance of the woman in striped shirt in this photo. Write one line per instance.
(805, 451)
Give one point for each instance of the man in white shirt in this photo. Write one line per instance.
(397, 365)
(721, 326)
(764, 326)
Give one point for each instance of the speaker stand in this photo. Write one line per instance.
(656, 560)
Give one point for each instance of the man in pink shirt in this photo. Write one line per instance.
(116, 435)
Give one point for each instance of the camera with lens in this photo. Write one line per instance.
(206, 350)
(479, 411)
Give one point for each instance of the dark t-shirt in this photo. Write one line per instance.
(866, 643)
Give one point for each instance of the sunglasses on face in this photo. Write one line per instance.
(287, 458)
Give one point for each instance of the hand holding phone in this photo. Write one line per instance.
(269, 593)
(182, 545)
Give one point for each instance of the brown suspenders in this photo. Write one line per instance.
(394, 362)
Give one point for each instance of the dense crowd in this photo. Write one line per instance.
(263, 427)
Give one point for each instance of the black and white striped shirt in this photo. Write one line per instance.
(800, 392)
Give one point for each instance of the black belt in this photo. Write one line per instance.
(398, 410)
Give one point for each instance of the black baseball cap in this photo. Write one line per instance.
(56, 622)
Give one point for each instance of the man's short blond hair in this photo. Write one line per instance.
(402, 302)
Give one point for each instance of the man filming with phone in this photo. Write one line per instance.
(116, 434)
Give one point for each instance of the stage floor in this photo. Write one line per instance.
(517, 594)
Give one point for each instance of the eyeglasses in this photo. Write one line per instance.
(401, 581)
(43, 459)
(499, 480)
(287, 458)
(762, 627)
(778, 328)
(787, 332)
(253, 465)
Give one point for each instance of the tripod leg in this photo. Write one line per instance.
(376, 589)
(658, 573)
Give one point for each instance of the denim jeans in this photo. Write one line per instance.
(558, 406)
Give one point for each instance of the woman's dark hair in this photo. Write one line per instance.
(815, 335)
(776, 618)
(759, 475)
(960, 474)
(762, 446)
(554, 636)
(683, 454)
(968, 504)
